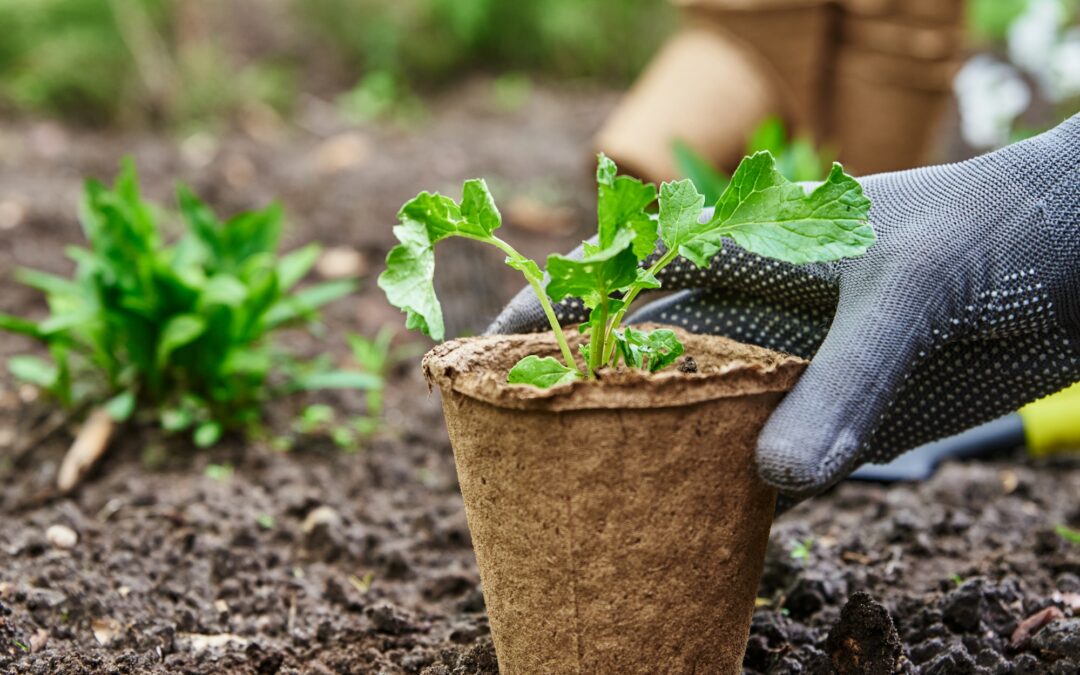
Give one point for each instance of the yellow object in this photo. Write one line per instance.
(1052, 424)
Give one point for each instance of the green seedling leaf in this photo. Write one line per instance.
(33, 370)
(223, 289)
(176, 419)
(121, 406)
(408, 280)
(663, 348)
(14, 324)
(265, 521)
(207, 434)
(304, 303)
(179, 331)
(655, 350)
(410, 266)
(540, 372)
(1068, 534)
(593, 277)
(767, 214)
(341, 379)
(294, 266)
(621, 204)
(219, 472)
(681, 228)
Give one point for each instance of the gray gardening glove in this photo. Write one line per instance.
(966, 308)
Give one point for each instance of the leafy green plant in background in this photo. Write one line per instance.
(798, 159)
(184, 331)
(760, 210)
(375, 357)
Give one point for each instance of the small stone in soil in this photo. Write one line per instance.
(61, 536)
(688, 365)
(864, 640)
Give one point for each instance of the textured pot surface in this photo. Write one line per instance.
(620, 525)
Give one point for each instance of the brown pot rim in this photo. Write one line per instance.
(477, 366)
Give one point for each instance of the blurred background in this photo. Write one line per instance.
(345, 108)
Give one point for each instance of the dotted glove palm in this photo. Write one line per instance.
(966, 308)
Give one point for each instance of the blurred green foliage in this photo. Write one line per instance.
(104, 61)
(181, 332)
(425, 41)
(124, 61)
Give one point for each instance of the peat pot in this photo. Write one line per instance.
(619, 525)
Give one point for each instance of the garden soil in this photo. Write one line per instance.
(316, 561)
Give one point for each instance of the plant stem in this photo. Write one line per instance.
(545, 303)
(597, 340)
(613, 325)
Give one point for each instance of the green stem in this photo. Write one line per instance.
(597, 343)
(545, 303)
(616, 320)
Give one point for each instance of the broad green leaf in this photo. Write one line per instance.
(621, 204)
(478, 206)
(408, 280)
(681, 228)
(33, 370)
(441, 217)
(769, 215)
(121, 406)
(295, 265)
(179, 331)
(207, 434)
(593, 277)
(540, 372)
(342, 379)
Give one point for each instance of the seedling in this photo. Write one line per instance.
(801, 550)
(177, 332)
(1068, 534)
(760, 210)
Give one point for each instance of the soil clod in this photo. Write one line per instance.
(864, 641)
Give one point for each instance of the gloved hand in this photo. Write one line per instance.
(966, 308)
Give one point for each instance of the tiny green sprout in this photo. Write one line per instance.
(362, 584)
(957, 579)
(759, 209)
(314, 417)
(21, 646)
(801, 550)
(265, 521)
(219, 472)
(1068, 534)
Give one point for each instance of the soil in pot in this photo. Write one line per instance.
(619, 525)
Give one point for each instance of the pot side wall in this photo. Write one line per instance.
(614, 541)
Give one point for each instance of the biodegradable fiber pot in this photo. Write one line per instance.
(619, 525)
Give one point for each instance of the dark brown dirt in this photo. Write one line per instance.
(319, 562)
